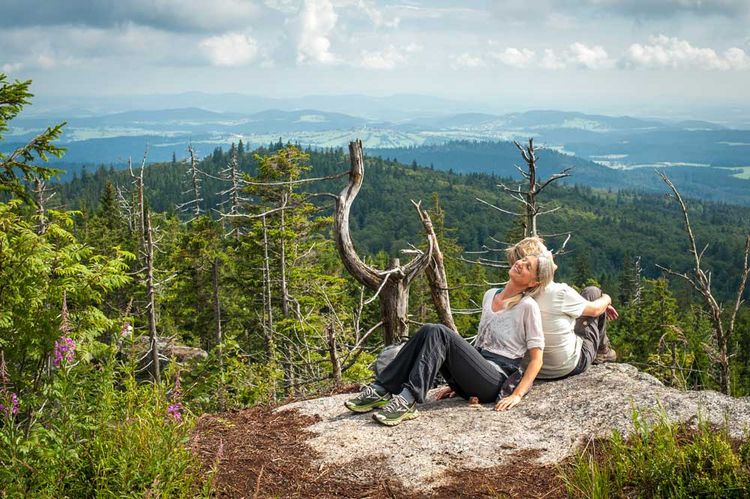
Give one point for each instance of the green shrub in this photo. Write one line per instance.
(662, 459)
(94, 431)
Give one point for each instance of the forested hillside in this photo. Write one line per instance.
(704, 182)
(607, 228)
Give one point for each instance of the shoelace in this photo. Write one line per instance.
(397, 402)
(368, 392)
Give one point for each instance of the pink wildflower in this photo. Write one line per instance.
(14, 403)
(65, 349)
(13, 409)
(126, 331)
(174, 411)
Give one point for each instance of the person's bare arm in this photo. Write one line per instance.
(535, 364)
(597, 307)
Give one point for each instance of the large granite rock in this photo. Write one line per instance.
(550, 423)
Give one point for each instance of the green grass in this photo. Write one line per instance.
(662, 459)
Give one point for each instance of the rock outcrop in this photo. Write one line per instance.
(553, 420)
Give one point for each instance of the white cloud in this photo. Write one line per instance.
(376, 16)
(467, 60)
(11, 67)
(665, 52)
(230, 49)
(552, 61)
(577, 55)
(318, 20)
(588, 57)
(389, 58)
(518, 58)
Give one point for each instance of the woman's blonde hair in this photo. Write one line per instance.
(545, 272)
(526, 247)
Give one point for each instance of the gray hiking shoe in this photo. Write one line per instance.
(367, 400)
(396, 411)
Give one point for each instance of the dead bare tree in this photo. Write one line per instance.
(42, 198)
(234, 199)
(528, 197)
(217, 304)
(194, 204)
(435, 272)
(700, 280)
(391, 286)
(267, 318)
(151, 298)
(141, 204)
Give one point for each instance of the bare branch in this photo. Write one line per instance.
(497, 208)
(300, 181)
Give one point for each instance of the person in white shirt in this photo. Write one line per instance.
(510, 326)
(575, 325)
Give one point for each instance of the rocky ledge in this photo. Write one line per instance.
(553, 420)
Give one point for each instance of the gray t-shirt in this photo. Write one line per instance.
(510, 332)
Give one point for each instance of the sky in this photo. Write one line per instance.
(638, 57)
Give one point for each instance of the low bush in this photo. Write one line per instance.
(662, 459)
(92, 430)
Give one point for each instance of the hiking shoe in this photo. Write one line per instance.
(607, 356)
(396, 411)
(367, 400)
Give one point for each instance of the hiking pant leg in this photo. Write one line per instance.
(469, 374)
(593, 330)
(435, 348)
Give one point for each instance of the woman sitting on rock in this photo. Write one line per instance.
(510, 326)
(575, 325)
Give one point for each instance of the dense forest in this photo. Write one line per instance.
(104, 277)
(703, 182)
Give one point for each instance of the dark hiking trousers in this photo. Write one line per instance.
(593, 330)
(435, 348)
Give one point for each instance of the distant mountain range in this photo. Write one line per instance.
(618, 143)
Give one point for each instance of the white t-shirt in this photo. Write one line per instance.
(560, 305)
(510, 332)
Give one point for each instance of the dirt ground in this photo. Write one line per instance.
(260, 453)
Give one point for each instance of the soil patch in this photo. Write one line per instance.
(521, 477)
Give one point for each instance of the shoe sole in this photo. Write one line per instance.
(362, 409)
(394, 422)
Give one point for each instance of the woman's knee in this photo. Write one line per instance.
(433, 330)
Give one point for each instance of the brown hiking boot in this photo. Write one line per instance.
(605, 353)
(607, 356)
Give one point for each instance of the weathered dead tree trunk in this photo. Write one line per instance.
(285, 298)
(217, 303)
(193, 205)
(435, 272)
(267, 308)
(151, 297)
(333, 354)
(41, 198)
(700, 280)
(392, 285)
(139, 188)
(234, 199)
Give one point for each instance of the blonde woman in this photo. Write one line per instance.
(575, 325)
(510, 326)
